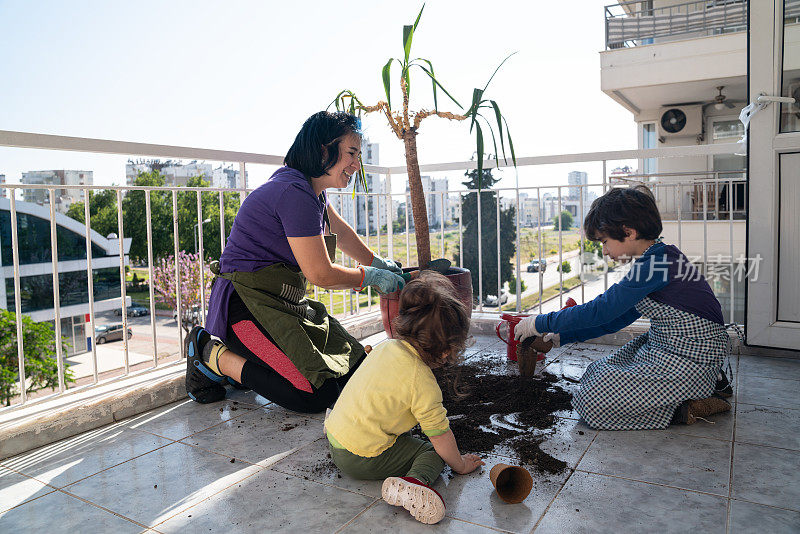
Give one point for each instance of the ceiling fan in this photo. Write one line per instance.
(720, 101)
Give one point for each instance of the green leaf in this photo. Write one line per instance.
(491, 131)
(408, 35)
(473, 109)
(436, 83)
(510, 143)
(386, 79)
(498, 68)
(479, 147)
(499, 118)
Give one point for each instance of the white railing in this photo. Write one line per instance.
(380, 236)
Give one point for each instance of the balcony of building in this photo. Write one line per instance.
(123, 448)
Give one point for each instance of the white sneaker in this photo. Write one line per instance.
(424, 502)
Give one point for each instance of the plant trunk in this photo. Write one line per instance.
(418, 206)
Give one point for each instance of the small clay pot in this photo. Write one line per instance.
(512, 483)
(529, 352)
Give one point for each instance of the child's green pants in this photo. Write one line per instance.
(408, 457)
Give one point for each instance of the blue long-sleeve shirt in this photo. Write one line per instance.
(663, 273)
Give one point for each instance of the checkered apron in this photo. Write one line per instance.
(639, 385)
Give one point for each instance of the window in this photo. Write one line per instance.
(649, 140)
(34, 241)
(36, 292)
(727, 131)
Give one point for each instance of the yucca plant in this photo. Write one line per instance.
(405, 124)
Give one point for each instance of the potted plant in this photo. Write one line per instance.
(405, 124)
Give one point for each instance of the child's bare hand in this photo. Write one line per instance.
(471, 463)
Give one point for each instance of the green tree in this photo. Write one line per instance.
(565, 266)
(102, 211)
(134, 216)
(187, 217)
(41, 368)
(565, 219)
(508, 234)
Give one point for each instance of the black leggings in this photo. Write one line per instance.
(267, 382)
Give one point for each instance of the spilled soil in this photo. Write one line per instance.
(486, 410)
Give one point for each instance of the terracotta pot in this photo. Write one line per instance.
(511, 482)
(460, 278)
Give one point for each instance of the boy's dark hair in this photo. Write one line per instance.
(322, 129)
(633, 208)
(433, 319)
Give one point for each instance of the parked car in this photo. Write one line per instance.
(134, 310)
(491, 300)
(109, 332)
(535, 265)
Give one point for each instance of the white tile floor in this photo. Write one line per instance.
(249, 466)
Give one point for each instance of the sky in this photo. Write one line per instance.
(244, 75)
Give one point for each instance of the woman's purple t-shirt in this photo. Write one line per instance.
(285, 206)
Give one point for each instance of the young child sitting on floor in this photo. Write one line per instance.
(394, 390)
(668, 374)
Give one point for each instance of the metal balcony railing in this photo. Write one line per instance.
(699, 207)
(643, 22)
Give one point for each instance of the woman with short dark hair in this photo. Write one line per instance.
(262, 332)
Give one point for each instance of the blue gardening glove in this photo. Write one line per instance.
(381, 279)
(386, 264)
(526, 328)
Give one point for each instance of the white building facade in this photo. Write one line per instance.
(64, 198)
(36, 270)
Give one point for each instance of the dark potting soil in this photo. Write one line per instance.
(487, 410)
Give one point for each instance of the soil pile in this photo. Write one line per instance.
(487, 410)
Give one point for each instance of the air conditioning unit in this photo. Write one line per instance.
(680, 121)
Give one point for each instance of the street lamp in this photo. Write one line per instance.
(195, 233)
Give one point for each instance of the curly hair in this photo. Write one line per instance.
(433, 319)
(633, 208)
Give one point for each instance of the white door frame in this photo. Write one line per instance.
(765, 69)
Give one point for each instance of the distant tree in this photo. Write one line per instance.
(508, 234)
(39, 350)
(187, 217)
(565, 219)
(512, 285)
(102, 211)
(565, 266)
(166, 289)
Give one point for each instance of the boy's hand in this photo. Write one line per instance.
(471, 463)
(526, 328)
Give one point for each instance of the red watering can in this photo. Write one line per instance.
(512, 320)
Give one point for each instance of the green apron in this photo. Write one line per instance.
(315, 342)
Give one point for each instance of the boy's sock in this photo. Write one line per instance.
(212, 350)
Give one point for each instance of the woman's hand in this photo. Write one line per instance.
(385, 281)
(386, 264)
(526, 328)
(471, 463)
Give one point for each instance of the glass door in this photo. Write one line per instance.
(773, 238)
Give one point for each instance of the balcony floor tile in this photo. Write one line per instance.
(133, 475)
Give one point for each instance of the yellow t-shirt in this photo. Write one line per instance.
(388, 395)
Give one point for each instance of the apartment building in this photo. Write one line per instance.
(681, 69)
(64, 198)
(178, 174)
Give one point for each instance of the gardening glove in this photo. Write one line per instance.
(555, 338)
(386, 264)
(526, 328)
(381, 279)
